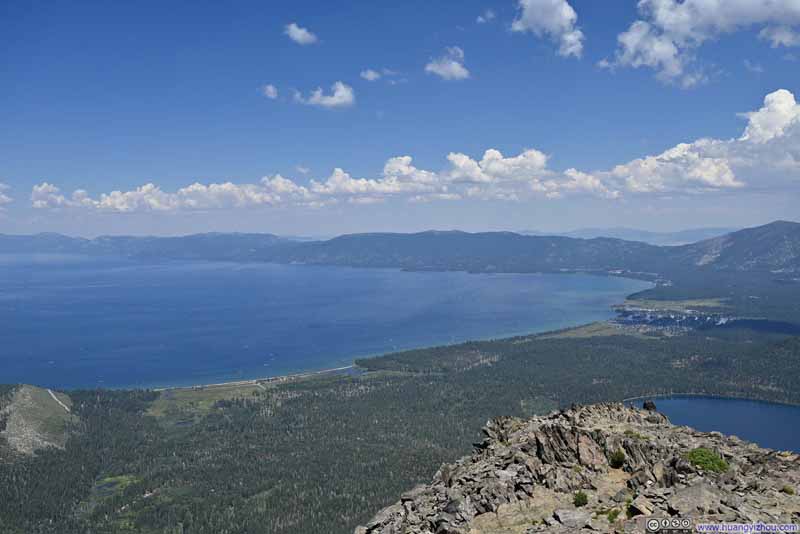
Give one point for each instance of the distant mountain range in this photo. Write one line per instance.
(774, 247)
(682, 237)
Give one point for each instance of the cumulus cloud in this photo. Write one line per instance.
(670, 31)
(299, 35)
(779, 112)
(4, 198)
(486, 16)
(370, 75)
(270, 91)
(341, 96)
(767, 150)
(450, 65)
(766, 153)
(643, 46)
(685, 167)
(555, 19)
(494, 167)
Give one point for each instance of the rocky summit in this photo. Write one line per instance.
(598, 468)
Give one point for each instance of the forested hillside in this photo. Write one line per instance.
(319, 455)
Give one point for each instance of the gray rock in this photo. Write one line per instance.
(550, 457)
(573, 518)
(701, 498)
(641, 505)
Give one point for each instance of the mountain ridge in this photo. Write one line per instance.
(774, 247)
(678, 237)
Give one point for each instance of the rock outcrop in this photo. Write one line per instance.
(631, 465)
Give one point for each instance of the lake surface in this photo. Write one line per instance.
(68, 321)
(775, 426)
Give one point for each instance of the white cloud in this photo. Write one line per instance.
(494, 167)
(449, 66)
(686, 167)
(399, 176)
(643, 46)
(4, 198)
(766, 154)
(780, 111)
(300, 35)
(780, 36)
(755, 68)
(302, 169)
(486, 16)
(341, 96)
(670, 31)
(46, 195)
(555, 19)
(370, 75)
(149, 197)
(270, 91)
(367, 200)
(432, 197)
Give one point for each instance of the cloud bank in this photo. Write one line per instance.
(766, 154)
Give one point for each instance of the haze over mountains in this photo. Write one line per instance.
(681, 237)
(772, 247)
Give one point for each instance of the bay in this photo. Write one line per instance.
(74, 322)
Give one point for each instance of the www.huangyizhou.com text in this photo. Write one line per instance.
(747, 527)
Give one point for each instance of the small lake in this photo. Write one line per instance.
(71, 321)
(771, 425)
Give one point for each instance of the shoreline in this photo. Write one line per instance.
(631, 400)
(309, 374)
(258, 381)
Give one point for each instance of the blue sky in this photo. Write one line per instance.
(100, 97)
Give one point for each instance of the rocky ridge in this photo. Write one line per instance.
(631, 465)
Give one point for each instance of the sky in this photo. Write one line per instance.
(320, 118)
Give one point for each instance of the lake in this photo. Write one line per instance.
(771, 425)
(71, 321)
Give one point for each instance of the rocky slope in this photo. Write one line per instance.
(524, 478)
(33, 418)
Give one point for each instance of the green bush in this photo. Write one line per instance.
(634, 435)
(580, 499)
(788, 490)
(612, 515)
(617, 459)
(707, 460)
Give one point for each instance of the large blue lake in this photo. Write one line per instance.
(78, 322)
(771, 425)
